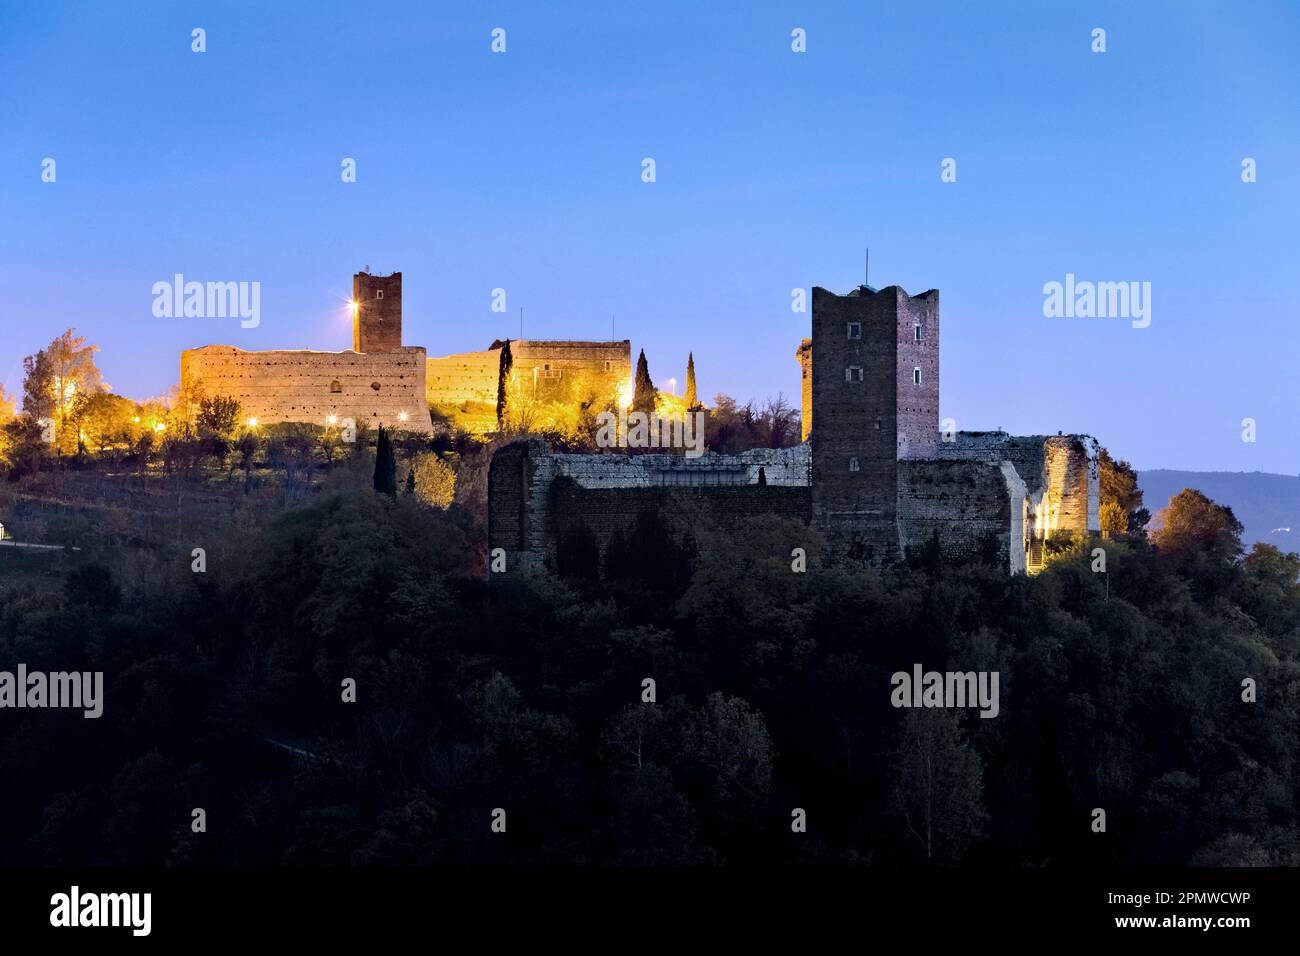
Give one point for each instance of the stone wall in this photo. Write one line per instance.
(465, 385)
(1074, 483)
(305, 386)
(468, 377)
(519, 479)
(780, 467)
(975, 508)
(609, 511)
(525, 482)
(555, 360)
(1061, 474)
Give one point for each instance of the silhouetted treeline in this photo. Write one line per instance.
(1120, 690)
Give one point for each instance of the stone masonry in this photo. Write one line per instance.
(319, 388)
(464, 386)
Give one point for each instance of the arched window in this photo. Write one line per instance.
(336, 387)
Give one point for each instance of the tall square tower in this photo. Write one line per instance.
(875, 399)
(376, 312)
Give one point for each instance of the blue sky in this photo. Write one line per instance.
(774, 170)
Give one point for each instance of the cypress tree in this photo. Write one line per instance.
(643, 398)
(385, 465)
(503, 380)
(691, 399)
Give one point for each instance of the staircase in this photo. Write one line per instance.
(1034, 558)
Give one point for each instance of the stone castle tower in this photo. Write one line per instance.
(376, 312)
(875, 385)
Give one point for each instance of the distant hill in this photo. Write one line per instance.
(1267, 504)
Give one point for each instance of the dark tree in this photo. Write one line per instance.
(576, 553)
(1194, 523)
(38, 385)
(503, 382)
(385, 465)
(649, 553)
(643, 397)
(218, 417)
(1119, 486)
(692, 398)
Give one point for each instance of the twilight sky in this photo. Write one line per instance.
(522, 171)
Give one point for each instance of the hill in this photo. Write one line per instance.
(1267, 504)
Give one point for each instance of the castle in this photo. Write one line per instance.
(875, 474)
(380, 381)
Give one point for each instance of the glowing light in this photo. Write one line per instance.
(159, 427)
(356, 308)
(625, 393)
(333, 419)
(252, 423)
(672, 385)
(136, 419)
(402, 416)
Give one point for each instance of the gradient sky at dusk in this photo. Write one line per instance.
(522, 171)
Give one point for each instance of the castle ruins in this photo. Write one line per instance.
(875, 475)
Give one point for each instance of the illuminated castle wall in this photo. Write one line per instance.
(463, 388)
(378, 382)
